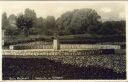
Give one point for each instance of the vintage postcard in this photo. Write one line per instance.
(63, 40)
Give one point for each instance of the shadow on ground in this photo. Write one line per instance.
(42, 68)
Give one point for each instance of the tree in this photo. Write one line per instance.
(26, 21)
(63, 23)
(113, 27)
(79, 20)
(39, 27)
(5, 22)
(12, 28)
(12, 20)
(30, 14)
(50, 24)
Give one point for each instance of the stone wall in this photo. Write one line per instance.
(88, 46)
(67, 46)
(23, 47)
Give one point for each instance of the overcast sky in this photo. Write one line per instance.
(107, 10)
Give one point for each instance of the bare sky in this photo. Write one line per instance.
(107, 10)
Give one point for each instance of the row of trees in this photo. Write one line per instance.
(28, 24)
(78, 21)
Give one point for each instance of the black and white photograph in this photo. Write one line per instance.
(63, 40)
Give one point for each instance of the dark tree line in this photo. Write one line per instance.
(78, 21)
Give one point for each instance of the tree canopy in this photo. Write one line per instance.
(50, 24)
(26, 21)
(78, 21)
(5, 22)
